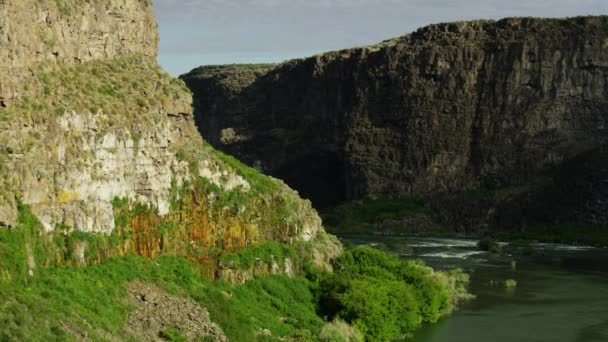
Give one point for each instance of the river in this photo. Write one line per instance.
(561, 293)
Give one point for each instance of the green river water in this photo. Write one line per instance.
(561, 293)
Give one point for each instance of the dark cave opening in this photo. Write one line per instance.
(319, 177)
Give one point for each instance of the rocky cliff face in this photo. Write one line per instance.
(71, 31)
(97, 141)
(449, 108)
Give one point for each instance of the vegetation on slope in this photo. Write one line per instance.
(126, 88)
(62, 301)
(381, 296)
(91, 301)
(381, 216)
(267, 206)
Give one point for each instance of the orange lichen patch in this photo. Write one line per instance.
(146, 237)
(195, 228)
(191, 228)
(199, 228)
(205, 227)
(209, 265)
(196, 222)
(282, 233)
(238, 234)
(192, 217)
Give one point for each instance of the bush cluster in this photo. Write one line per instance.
(385, 297)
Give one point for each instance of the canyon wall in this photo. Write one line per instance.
(466, 106)
(98, 141)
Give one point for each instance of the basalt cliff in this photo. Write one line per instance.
(493, 124)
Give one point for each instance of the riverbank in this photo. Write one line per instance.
(561, 292)
(414, 218)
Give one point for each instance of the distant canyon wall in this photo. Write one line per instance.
(449, 108)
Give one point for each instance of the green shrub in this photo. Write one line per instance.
(458, 282)
(340, 331)
(381, 309)
(266, 252)
(432, 291)
(386, 297)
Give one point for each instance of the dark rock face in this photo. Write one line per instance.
(577, 192)
(449, 108)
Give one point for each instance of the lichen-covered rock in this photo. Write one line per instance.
(99, 168)
(98, 139)
(448, 108)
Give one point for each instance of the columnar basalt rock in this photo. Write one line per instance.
(448, 108)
